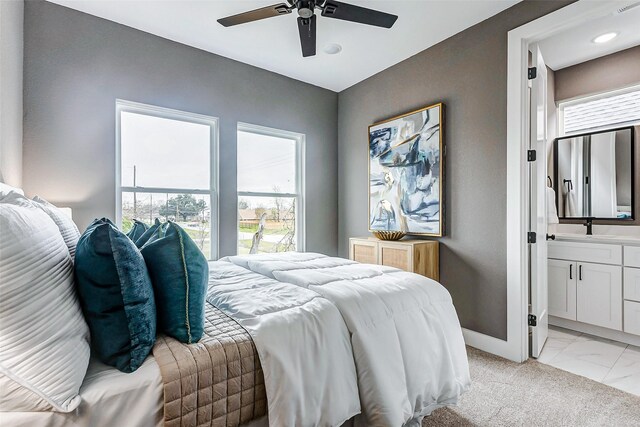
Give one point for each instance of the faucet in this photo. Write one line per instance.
(589, 225)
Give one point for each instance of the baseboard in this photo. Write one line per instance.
(595, 330)
(488, 344)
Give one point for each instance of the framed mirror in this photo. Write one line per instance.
(595, 175)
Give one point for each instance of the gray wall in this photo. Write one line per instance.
(76, 65)
(609, 72)
(468, 72)
(11, 47)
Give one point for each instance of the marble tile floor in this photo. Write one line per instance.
(609, 362)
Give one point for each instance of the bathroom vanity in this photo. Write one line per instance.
(594, 285)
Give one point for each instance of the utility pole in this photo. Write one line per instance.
(135, 198)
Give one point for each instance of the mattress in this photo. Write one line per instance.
(109, 398)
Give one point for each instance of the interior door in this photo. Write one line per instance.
(538, 290)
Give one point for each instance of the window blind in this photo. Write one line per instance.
(609, 111)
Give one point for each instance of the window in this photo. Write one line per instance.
(608, 110)
(270, 190)
(166, 169)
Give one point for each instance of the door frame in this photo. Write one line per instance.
(516, 347)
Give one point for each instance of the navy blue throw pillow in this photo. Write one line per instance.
(180, 274)
(137, 230)
(147, 234)
(116, 296)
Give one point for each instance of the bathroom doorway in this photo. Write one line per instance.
(527, 180)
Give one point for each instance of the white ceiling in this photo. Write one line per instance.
(574, 46)
(273, 44)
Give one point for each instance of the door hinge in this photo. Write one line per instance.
(532, 73)
(531, 237)
(531, 155)
(532, 320)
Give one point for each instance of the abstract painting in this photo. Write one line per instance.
(406, 173)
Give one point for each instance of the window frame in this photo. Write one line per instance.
(123, 106)
(299, 195)
(593, 97)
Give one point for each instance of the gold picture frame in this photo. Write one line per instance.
(406, 173)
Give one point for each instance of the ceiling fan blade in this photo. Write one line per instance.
(256, 15)
(307, 29)
(362, 15)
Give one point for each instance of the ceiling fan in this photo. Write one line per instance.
(307, 17)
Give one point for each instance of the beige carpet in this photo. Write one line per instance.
(504, 393)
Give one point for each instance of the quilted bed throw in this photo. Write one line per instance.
(216, 382)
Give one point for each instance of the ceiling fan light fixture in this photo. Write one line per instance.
(332, 48)
(606, 37)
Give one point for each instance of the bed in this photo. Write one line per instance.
(283, 332)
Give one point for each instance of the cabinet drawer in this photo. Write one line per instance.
(632, 284)
(587, 252)
(632, 256)
(632, 317)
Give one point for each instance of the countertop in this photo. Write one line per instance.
(599, 238)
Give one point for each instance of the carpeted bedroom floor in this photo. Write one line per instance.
(505, 393)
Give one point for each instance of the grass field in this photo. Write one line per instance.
(273, 233)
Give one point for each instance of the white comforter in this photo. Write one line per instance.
(406, 338)
(302, 341)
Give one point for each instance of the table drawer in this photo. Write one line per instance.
(586, 252)
(632, 256)
(632, 284)
(632, 317)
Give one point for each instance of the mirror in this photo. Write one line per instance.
(595, 175)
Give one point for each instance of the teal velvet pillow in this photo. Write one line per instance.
(116, 296)
(147, 234)
(180, 274)
(137, 230)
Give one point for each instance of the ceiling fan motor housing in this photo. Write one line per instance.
(305, 8)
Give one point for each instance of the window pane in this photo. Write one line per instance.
(278, 217)
(190, 211)
(266, 163)
(164, 153)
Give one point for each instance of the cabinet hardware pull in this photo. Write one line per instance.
(580, 272)
(570, 271)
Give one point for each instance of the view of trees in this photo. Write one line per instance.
(184, 206)
(190, 211)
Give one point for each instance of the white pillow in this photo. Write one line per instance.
(67, 227)
(6, 189)
(44, 340)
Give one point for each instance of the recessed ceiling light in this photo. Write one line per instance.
(606, 37)
(332, 48)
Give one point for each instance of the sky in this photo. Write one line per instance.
(176, 154)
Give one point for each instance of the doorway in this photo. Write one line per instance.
(526, 283)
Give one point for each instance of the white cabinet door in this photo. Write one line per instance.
(599, 291)
(562, 288)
